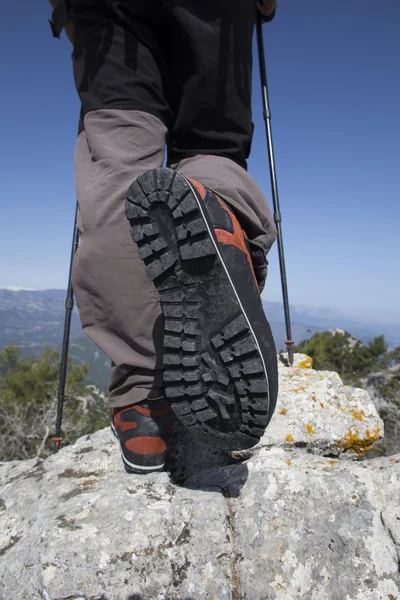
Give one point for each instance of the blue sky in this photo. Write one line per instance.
(335, 97)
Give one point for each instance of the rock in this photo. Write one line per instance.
(316, 528)
(316, 411)
(284, 525)
(284, 521)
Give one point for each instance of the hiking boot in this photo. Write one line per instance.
(220, 359)
(143, 431)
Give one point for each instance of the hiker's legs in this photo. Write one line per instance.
(125, 54)
(116, 76)
(210, 47)
(218, 344)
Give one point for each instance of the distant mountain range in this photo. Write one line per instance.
(34, 320)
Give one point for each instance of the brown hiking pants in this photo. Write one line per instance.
(128, 118)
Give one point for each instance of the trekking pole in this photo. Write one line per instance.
(274, 186)
(69, 305)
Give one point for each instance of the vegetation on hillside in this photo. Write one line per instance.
(28, 404)
(338, 351)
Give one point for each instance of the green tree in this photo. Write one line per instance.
(28, 404)
(338, 351)
(391, 389)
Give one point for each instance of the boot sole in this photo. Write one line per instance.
(216, 375)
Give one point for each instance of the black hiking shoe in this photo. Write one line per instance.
(220, 359)
(143, 431)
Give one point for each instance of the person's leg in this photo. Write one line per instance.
(220, 358)
(119, 308)
(238, 189)
(211, 137)
(123, 127)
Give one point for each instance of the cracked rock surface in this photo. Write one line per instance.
(281, 522)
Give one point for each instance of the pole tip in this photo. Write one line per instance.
(289, 346)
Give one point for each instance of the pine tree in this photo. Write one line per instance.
(28, 393)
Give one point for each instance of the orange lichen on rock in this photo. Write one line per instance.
(322, 405)
(352, 441)
(313, 397)
(310, 429)
(333, 463)
(289, 438)
(283, 411)
(358, 415)
(288, 462)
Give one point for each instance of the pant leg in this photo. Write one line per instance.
(118, 306)
(211, 98)
(239, 190)
(117, 77)
(210, 48)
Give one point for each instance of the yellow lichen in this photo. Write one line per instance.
(307, 363)
(288, 462)
(310, 429)
(289, 438)
(358, 415)
(283, 411)
(333, 463)
(352, 441)
(374, 435)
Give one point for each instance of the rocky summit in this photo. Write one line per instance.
(303, 515)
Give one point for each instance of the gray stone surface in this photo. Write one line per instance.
(280, 522)
(285, 524)
(76, 525)
(316, 528)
